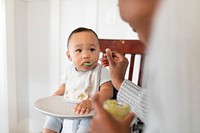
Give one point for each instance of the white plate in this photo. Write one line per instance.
(57, 107)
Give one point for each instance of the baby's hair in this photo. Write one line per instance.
(80, 29)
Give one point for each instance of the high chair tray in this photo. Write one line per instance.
(56, 106)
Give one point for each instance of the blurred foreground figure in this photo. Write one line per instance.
(172, 73)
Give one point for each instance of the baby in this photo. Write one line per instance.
(82, 79)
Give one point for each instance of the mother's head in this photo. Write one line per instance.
(139, 14)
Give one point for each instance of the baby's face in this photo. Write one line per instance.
(83, 47)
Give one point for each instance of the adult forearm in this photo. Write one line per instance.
(135, 97)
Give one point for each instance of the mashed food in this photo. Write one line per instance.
(117, 109)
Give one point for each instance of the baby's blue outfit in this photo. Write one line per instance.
(56, 124)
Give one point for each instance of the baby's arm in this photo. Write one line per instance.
(60, 91)
(86, 106)
(106, 91)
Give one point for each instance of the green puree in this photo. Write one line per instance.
(87, 64)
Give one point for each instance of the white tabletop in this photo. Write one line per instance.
(56, 106)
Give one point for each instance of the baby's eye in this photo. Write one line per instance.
(78, 50)
(92, 49)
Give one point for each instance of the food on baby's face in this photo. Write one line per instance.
(117, 109)
(87, 64)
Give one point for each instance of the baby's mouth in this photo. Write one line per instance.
(87, 63)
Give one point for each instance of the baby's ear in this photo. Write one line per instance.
(68, 55)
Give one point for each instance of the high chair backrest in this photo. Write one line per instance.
(133, 48)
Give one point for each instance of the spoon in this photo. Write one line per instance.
(89, 64)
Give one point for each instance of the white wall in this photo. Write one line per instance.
(22, 78)
(110, 25)
(32, 61)
(3, 75)
(8, 90)
(41, 30)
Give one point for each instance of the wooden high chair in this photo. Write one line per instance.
(133, 48)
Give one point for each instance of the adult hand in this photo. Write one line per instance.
(117, 66)
(103, 122)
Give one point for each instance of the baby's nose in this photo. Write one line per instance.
(85, 55)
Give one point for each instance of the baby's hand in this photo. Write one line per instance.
(84, 107)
